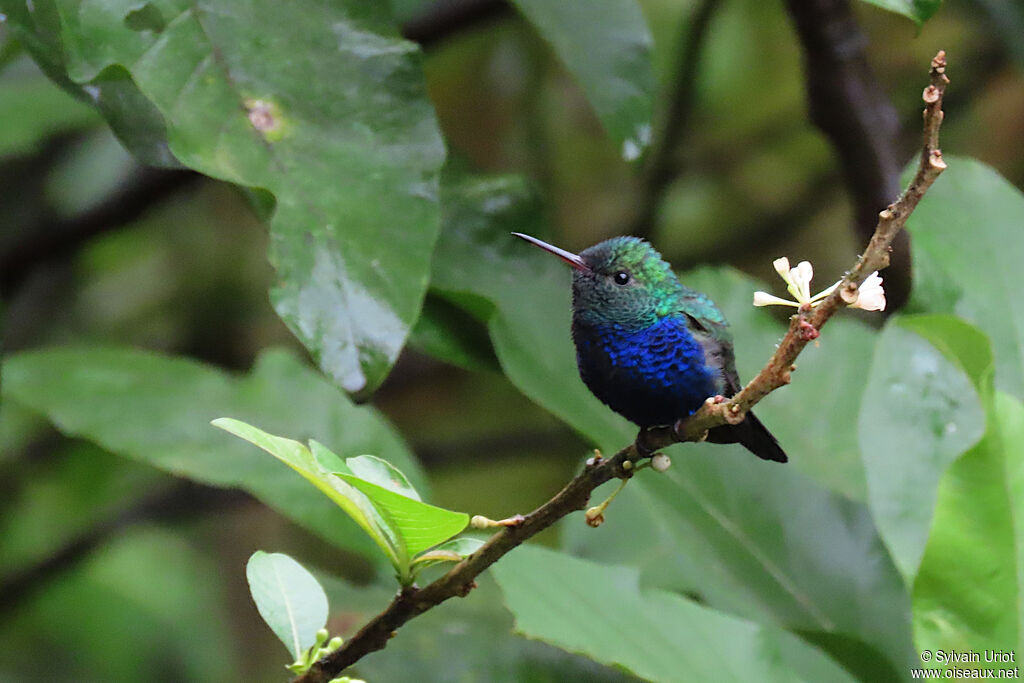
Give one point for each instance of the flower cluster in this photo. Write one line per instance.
(870, 295)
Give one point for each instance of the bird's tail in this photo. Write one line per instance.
(751, 434)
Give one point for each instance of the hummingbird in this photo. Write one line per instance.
(649, 347)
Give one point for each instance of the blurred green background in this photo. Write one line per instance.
(84, 533)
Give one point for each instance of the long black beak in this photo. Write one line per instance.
(572, 259)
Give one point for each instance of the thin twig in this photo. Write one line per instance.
(804, 326)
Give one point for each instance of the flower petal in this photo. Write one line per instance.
(802, 275)
(766, 299)
(782, 267)
(870, 294)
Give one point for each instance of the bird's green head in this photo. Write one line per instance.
(622, 280)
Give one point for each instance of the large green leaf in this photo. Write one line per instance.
(466, 640)
(289, 598)
(601, 611)
(920, 412)
(967, 592)
(978, 278)
(918, 11)
(324, 106)
(157, 409)
(606, 45)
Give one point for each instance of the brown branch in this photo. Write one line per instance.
(804, 326)
(851, 109)
(54, 238)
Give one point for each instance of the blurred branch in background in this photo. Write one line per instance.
(848, 105)
(53, 237)
(662, 165)
(185, 500)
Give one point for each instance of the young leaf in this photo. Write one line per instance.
(289, 599)
(449, 551)
(299, 458)
(382, 473)
(419, 525)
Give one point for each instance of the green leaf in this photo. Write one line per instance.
(300, 459)
(289, 599)
(918, 11)
(762, 542)
(967, 592)
(449, 551)
(970, 198)
(920, 412)
(88, 393)
(324, 106)
(606, 45)
(601, 612)
(382, 473)
(418, 525)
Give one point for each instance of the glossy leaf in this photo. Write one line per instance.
(918, 11)
(417, 525)
(978, 281)
(300, 459)
(289, 599)
(382, 473)
(967, 592)
(606, 45)
(371, 491)
(920, 413)
(449, 551)
(602, 612)
(324, 106)
(89, 392)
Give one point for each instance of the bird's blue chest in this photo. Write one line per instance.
(651, 376)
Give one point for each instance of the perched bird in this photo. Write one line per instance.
(652, 349)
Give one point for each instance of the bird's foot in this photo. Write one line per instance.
(481, 522)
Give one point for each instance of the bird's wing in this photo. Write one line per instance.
(710, 328)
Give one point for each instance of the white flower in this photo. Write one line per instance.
(870, 297)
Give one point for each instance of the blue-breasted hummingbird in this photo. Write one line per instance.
(652, 349)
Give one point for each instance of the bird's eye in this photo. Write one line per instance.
(621, 277)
